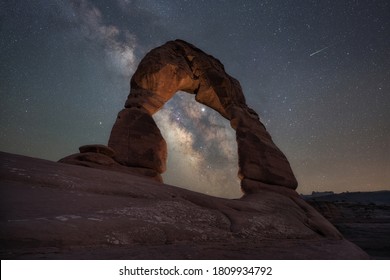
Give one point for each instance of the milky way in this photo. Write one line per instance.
(317, 72)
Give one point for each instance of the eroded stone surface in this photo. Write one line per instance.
(180, 66)
(137, 140)
(104, 162)
(362, 217)
(53, 210)
(97, 148)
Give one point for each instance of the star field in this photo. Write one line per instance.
(317, 73)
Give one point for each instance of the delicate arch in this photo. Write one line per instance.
(180, 66)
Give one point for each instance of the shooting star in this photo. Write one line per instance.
(320, 50)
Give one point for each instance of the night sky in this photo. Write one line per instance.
(317, 73)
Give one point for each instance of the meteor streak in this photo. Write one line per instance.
(320, 50)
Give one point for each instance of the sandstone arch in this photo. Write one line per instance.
(180, 66)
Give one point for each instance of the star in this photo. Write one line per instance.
(71, 63)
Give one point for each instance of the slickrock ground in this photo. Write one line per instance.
(59, 211)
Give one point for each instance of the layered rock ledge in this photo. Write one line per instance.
(59, 211)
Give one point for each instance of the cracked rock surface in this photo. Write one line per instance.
(61, 211)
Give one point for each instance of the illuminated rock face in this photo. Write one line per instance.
(180, 66)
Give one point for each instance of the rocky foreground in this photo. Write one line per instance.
(58, 211)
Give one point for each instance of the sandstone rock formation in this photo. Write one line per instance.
(55, 210)
(180, 66)
(137, 141)
(362, 217)
(102, 157)
(52, 210)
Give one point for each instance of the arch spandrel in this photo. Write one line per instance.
(180, 66)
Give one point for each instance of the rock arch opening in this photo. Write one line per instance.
(202, 150)
(179, 66)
